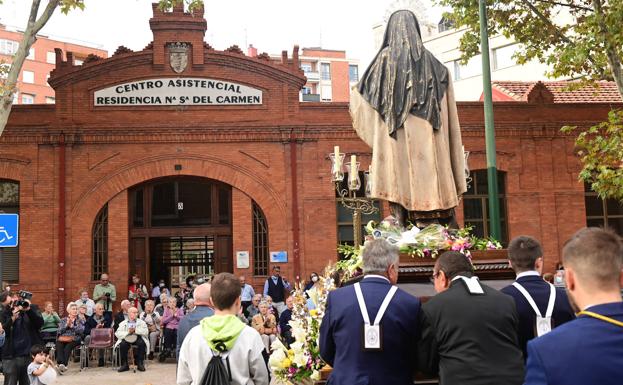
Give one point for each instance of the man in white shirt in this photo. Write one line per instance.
(223, 334)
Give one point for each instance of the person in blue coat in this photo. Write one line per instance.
(383, 350)
(526, 258)
(589, 349)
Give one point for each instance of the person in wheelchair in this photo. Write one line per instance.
(99, 320)
(132, 332)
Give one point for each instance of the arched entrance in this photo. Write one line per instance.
(180, 226)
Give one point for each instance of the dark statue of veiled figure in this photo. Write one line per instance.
(404, 108)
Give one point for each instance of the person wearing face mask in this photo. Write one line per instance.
(85, 300)
(246, 294)
(158, 290)
(313, 278)
(137, 292)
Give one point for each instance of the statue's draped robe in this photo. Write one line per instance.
(422, 169)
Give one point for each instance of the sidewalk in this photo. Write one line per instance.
(156, 374)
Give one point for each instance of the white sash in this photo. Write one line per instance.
(372, 336)
(543, 323)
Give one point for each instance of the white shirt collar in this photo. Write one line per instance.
(375, 276)
(528, 273)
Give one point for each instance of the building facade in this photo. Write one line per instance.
(181, 159)
(32, 83)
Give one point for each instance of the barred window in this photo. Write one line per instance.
(476, 204)
(9, 204)
(260, 241)
(100, 244)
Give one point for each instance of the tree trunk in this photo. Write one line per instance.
(28, 39)
(614, 61)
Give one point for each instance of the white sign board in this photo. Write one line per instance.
(177, 92)
(242, 259)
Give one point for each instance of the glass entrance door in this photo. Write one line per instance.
(175, 258)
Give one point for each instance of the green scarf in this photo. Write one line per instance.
(221, 330)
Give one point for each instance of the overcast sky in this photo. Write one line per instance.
(270, 25)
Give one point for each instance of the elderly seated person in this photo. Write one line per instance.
(50, 323)
(99, 320)
(152, 319)
(132, 332)
(164, 299)
(266, 324)
(69, 335)
(122, 315)
(170, 322)
(254, 308)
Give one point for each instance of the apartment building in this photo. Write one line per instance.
(32, 83)
(330, 74)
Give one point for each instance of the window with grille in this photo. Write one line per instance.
(260, 241)
(9, 204)
(476, 205)
(100, 244)
(606, 213)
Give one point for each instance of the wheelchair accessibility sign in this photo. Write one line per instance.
(9, 230)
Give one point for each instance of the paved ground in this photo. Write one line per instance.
(156, 374)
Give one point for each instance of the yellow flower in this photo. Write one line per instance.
(286, 363)
(290, 353)
(313, 312)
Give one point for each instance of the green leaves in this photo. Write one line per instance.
(568, 37)
(600, 149)
(69, 5)
(191, 4)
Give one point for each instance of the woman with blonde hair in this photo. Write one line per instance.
(265, 324)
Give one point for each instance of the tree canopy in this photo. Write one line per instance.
(577, 39)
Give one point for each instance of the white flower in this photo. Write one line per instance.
(300, 359)
(297, 347)
(275, 359)
(277, 345)
(315, 375)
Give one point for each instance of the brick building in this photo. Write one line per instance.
(179, 158)
(32, 83)
(330, 74)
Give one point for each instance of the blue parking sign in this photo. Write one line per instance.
(9, 230)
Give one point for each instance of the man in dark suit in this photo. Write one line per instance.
(469, 330)
(589, 349)
(526, 258)
(369, 330)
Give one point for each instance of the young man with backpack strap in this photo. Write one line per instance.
(222, 350)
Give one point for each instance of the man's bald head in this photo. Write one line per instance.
(202, 295)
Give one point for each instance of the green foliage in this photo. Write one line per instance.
(68, 5)
(569, 35)
(191, 4)
(600, 149)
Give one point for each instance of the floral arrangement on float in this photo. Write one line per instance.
(428, 242)
(300, 363)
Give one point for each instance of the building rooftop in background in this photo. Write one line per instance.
(556, 91)
(32, 83)
(330, 74)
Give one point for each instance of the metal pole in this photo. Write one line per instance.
(492, 172)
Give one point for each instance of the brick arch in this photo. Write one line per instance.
(13, 167)
(85, 208)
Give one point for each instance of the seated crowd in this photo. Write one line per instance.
(530, 332)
